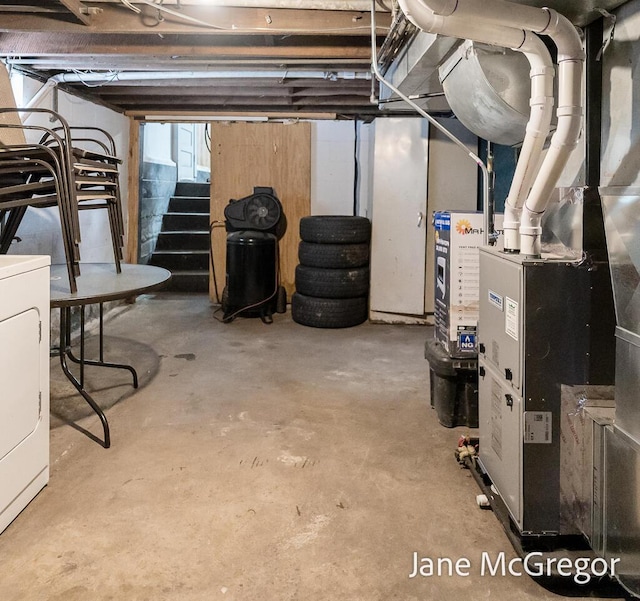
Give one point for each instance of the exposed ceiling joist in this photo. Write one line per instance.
(321, 46)
(76, 8)
(176, 47)
(117, 18)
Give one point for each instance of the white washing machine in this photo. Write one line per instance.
(24, 382)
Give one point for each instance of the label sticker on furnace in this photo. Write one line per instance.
(511, 318)
(538, 427)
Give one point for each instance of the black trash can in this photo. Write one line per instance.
(454, 386)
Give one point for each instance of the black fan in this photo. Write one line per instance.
(263, 211)
(260, 211)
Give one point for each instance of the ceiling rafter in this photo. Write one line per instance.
(328, 44)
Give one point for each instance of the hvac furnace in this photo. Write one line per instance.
(533, 337)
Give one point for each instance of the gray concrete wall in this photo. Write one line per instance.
(157, 185)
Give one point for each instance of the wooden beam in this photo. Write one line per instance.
(188, 116)
(75, 7)
(168, 63)
(299, 110)
(117, 18)
(240, 91)
(133, 192)
(249, 83)
(222, 101)
(175, 47)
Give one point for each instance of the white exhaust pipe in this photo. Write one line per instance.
(541, 102)
(494, 13)
(541, 94)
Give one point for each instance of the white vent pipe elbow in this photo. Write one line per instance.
(488, 33)
(541, 102)
(564, 140)
(570, 59)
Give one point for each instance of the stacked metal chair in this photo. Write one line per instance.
(58, 171)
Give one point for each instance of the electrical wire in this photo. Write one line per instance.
(130, 6)
(79, 73)
(207, 137)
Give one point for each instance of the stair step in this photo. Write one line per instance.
(193, 189)
(172, 222)
(183, 240)
(189, 281)
(181, 260)
(189, 204)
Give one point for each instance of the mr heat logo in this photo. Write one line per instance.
(463, 226)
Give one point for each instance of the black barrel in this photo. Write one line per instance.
(251, 274)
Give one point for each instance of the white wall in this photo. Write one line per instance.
(366, 148)
(40, 229)
(333, 159)
(157, 143)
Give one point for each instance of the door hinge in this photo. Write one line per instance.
(39, 404)
(40, 331)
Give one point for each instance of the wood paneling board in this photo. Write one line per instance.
(244, 155)
(133, 186)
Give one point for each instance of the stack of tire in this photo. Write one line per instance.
(332, 279)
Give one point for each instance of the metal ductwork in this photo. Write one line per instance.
(511, 25)
(488, 89)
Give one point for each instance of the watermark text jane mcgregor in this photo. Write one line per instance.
(580, 569)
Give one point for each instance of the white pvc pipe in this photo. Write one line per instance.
(564, 140)
(570, 58)
(538, 126)
(108, 77)
(40, 94)
(541, 96)
(488, 33)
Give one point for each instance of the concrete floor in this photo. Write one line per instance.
(262, 463)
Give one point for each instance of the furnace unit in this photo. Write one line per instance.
(533, 337)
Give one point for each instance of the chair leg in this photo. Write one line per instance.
(11, 227)
(115, 235)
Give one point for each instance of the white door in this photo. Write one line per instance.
(399, 222)
(185, 151)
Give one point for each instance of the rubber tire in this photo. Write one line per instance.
(335, 229)
(328, 312)
(332, 283)
(333, 256)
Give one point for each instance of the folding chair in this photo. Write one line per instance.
(81, 178)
